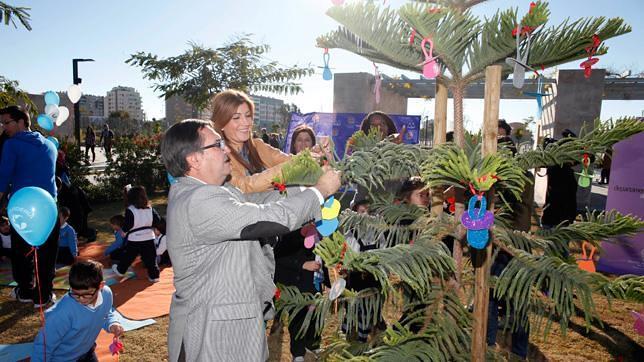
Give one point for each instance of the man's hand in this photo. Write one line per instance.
(329, 182)
(116, 329)
(311, 266)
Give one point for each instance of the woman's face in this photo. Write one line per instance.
(303, 141)
(377, 122)
(419, 197)
(240, 125)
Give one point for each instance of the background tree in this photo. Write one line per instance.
(9, 13)
(200, 72)
(11, 94)
(285, 114)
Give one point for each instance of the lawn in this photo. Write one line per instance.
(613, 340)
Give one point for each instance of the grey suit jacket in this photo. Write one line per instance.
(221, 275)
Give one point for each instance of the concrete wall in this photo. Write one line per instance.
(353, 93)
(577, 101)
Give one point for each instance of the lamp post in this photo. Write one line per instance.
(77, 80)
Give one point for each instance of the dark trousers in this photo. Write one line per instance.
(308, 340)
(22, 266)
(605, 176)
(521, 334)
(64, 256)
(117, 255)
(148, 253)
(90, 356)
(87, 149)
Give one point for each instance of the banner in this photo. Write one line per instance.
(341, 126)
(626, 195)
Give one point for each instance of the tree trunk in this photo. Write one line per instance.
(440, 128)
(459, 139)
(481, 259)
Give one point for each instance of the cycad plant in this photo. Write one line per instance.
(542, 281)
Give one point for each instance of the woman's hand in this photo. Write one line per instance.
(311, 266)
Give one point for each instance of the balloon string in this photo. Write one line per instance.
(42, 313)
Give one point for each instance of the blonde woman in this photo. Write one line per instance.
(254, 163)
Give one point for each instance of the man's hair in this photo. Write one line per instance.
(64, 210)
(16, 113)
(179, 141)
(449, 136)
(409, 186)
(503, 124)
(4, 220)
(85, 275)
(117, 220)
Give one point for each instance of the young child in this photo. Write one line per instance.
(5, 236)
(116, 250)
(139, 240)
(67, 242)
(72, 324)
(161, 243)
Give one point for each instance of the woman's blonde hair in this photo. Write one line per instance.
(224, 105)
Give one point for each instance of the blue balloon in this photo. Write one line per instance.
(171, 179)
(32, 213)
(45, 122)
(54, 140)
(52, 98)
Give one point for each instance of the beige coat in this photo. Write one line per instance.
(272, 158)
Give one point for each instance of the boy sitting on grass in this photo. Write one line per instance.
(72, 324)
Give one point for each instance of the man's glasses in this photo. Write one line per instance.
(85, 296)
(220, 143)
(7, 122)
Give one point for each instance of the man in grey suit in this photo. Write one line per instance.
(220, 273)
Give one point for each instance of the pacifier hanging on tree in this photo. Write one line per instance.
(478, 221)
(430, 67)
(585, 176)
(326, 72)
(329, 222)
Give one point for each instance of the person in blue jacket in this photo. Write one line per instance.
(29, 159)
(72, 324)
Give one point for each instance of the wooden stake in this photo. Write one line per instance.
(440, 130)
(481, 258)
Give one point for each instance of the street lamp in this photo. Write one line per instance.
(77, 80)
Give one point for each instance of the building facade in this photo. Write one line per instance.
(177, 109)
(125, 99)
(267, 111)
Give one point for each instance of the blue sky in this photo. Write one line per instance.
(109, 31)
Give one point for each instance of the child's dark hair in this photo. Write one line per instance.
(160, 225)
(410, 185)
(356, 205)
(117, 220)
(137, 197)
(85, 275)
(64, 211)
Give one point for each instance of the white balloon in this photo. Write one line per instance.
(74, 93)
(52, 110)
(63, 114)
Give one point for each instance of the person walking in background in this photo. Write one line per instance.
(265, 137)
(606, 163)
(107, 137)
(90, 142)
(29, 159)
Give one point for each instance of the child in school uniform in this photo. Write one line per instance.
(117, 249)
(72, 324)
(140, 217)
(67, 241)
(161, 243)
(5, 237)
